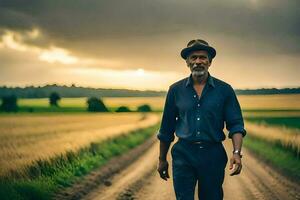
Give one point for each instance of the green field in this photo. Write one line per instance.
(75, 105)
(111, 102)
(44, 102)
(288, 122)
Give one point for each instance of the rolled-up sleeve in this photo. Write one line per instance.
(168, 122)
(233, 115)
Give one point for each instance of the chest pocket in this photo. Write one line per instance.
(185, 105)
(213, 106)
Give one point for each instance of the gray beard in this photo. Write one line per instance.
(198, 73)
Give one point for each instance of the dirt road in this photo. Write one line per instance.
(140, 181)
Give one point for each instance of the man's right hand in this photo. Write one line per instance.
(163, 166)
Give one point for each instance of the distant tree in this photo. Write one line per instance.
(9, 104)
(54, 98)
(144, 108)
(123, 109)
(96, 105)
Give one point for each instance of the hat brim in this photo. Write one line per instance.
(187, 51)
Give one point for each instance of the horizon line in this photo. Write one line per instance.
(132, 89)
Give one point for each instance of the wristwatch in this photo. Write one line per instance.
(237, 151)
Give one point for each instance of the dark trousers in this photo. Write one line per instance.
(203, 163)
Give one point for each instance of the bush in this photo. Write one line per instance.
(54, 98)
(9, 104)
(144, 108)
(123, 109)
(96, 105)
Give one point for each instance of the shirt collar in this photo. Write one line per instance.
(210, 80)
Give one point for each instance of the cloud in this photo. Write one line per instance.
(149, 34)
(57, 55)
(93, 21)
(17, 42)
(52, 54)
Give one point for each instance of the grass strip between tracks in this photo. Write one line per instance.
(281, 158)
(44, 177)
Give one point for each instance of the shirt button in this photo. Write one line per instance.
(194, 96)
(198, 132)
(198, 118)
(198, 105)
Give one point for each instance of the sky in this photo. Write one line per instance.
(136, 44)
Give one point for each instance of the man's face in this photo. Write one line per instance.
(198, 62)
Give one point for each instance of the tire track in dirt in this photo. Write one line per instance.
(265, 182)
(122, 185)
(141, 181)
(102, 178)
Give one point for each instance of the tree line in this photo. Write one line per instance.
(74, 91)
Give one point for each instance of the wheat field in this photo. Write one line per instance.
(272, 102)
(27, 138)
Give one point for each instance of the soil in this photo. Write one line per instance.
(134, 176)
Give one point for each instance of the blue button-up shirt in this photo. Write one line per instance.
(202, 118)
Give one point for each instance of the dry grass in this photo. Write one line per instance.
(27, 138)
(277, 102)
(287, 137)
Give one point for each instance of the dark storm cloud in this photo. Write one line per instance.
(90, 27)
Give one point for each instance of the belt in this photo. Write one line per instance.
(200, 143)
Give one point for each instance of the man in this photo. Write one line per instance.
(195, 110)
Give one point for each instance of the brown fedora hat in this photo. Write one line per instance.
(196, 45)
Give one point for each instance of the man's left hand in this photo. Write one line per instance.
(235, 161)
